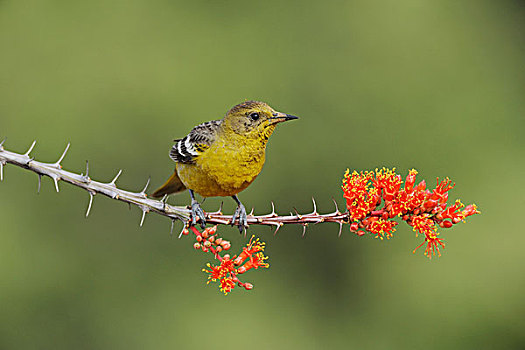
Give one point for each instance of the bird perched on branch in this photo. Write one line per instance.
(223, 157)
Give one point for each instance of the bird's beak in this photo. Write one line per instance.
(279, 117)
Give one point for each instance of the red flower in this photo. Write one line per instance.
(433, 244)
(424, 210)
(410, 181)
(470, 209)
(226, 273)
(256, 261)
(360, 201)
(423, 224)
(382, 228)
(227, 284)
(389, 182)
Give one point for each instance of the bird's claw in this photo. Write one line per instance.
(197, 212)
(240, 214)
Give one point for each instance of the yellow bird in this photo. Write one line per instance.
(223, 157)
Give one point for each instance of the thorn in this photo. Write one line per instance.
(340, 229)
(57, 164)
(39, 182)
(112, 183)
(2, 169)
(315, 207)
(2, 143)
(56, 179)
(273, 211)
(251, 212)
(145, 187)
(86, 178)
(336, 206)
(143, 216)
(218, 212)
(299, 216)
(30, 149)
(278, 226)
(304, 229)
(171, 229)
(89, 205)
(181, 231)
(164, 201)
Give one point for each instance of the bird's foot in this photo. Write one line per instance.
(197, 213)
(240, 213)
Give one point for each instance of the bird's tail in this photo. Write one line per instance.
(173, 185)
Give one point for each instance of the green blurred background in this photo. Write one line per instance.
(434, 85)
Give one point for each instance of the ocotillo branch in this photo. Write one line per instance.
(146, 205)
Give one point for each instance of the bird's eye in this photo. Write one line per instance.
(254, 116)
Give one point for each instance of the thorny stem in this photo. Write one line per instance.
(141, 200)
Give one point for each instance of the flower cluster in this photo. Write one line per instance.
(374, 198)
(227, 271)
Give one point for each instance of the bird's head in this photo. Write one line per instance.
(254, 119)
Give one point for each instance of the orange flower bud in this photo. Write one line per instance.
(446, 224)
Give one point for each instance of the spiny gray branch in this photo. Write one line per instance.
(141, 200)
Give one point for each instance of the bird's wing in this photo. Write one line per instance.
(200, 138)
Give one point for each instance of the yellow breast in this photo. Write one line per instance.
(226, 168)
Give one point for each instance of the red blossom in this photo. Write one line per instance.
(374, 199)
(410, 181)
(453, 212)
(228, 269)
(433, 244)
(382, 228)
(227, 284)
(470, 209)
